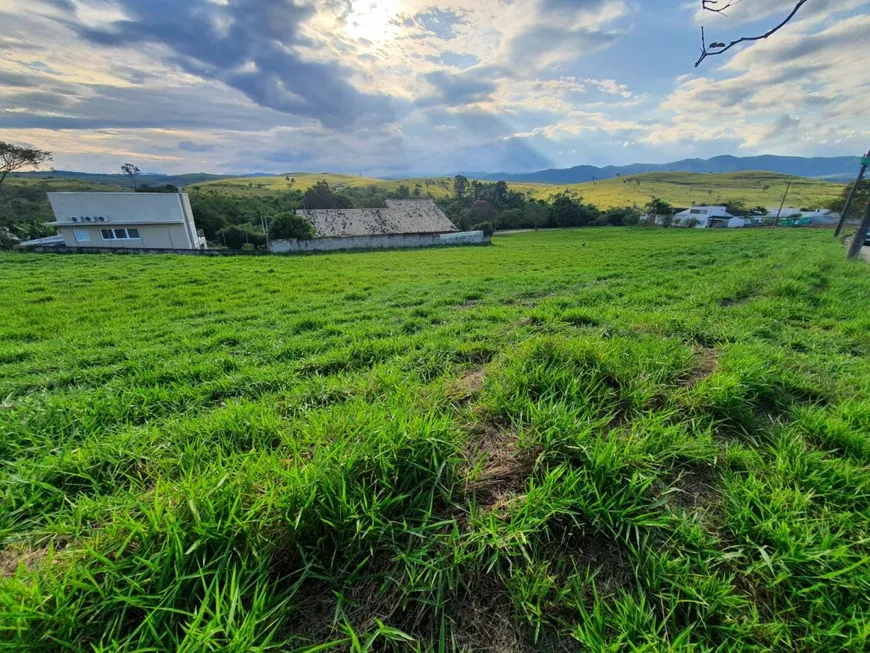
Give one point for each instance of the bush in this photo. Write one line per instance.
(289, 225)
(235, 236)
(485, 227)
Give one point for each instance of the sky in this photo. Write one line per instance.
(416, 87)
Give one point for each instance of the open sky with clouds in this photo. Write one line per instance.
(426, 86)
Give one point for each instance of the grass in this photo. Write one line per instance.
(590, 439)
(679, 188)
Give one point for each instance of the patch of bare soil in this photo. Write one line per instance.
(584, 550)
(496, 469)
(707, 360)
(483, 620)
(696, 488)
(12, 558)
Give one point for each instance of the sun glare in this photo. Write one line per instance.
(374, 20)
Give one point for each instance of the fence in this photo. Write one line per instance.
(385, 241)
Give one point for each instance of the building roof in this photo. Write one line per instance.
(400, 217)
(48, 241)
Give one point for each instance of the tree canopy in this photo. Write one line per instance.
(15, 157)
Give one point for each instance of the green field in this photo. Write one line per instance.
(605, 439)
(678, 188)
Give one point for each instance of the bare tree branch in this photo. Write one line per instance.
(718, 48)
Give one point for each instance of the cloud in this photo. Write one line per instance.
(463, 88)
(190, 146)
(435, 22)
(250, 45)
(552, 31)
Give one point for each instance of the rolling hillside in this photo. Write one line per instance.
(816, 167)
(679, 188)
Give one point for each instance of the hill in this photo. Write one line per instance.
(113, 180)
(835, 168)
(584, 440)
(681, 189)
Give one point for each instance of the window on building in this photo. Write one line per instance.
(107, 234)
(133, 233)
(82, 235)
(121, 234)
(695, 211)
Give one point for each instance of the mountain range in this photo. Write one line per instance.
(843, 168)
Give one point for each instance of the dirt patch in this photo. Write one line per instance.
(707, 361)
(482, 620)
(581, 549)
(468, 385)
(696, 488)
(12, 558)
(496, 468)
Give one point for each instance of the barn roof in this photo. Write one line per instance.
(400, 217)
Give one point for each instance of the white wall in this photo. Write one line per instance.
(387, 241)
(168, 236)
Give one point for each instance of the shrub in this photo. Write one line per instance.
(235, 236)
(485, 227)
(289, 225)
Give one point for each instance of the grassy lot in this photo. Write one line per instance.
(679, 188)
(590, 439)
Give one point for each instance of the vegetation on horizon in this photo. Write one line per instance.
(237, 205)
(596, 440)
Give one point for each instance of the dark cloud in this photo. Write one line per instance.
(782, 126)
(249, 45)
(466, 87)
(118, 107)
(17, 80)
(65, 5)
(190, 146)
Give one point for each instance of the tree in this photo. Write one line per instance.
(758, 211)
(289, 225)
(721, 7)
(569, 211)
(483, 211)
(131, 171)
(537, 212)
(321, 196)
(862, 199)
(236, 236)
(658, 206)
(402, 192)
(14, 158)
(737, 207)
(460, 186)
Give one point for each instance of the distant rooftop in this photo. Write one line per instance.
(400, 217)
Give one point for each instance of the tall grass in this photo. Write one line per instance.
(583, 440)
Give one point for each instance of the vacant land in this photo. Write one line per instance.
(678, 188)
(590, 439)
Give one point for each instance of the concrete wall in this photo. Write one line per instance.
(168, 236)
(389, 241)
(164, 220)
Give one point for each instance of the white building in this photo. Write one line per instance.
(125, 220)
(708, 217)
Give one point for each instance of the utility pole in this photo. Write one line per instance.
(860, 235)
(842, 222)
(265, 225)
(787, 188)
